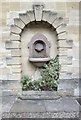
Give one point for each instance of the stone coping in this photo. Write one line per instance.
(45, 94)
(40, 95)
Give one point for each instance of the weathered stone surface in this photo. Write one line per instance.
(10, 87)
(13, 44)
(6, 36)
(14, 77)
(73, 29)
(65, 75)
(28, 106)
(63, 43)
(15, 29)
(45, 15)
(15, 52)
(14, 37)
(63, 104)
(65, 61)
(52, 16)
(10, 17)
(40, 95)
(8, 101)
(61, 28)
(16, 68)
(38, 12)
(31, 15)
(74, 20)
(58, 21)
(67, 13)
(69, 85)
(62, 36)
(69, 109)
(25, 18)
(14, 60)
(62, 51)
(5, 53)
(66, 68)
(19, 23)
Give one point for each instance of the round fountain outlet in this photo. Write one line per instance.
(39, 48)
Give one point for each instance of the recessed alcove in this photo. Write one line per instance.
(41, 28)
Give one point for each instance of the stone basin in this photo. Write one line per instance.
(39, 61)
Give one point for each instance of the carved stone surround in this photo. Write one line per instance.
(17, 20)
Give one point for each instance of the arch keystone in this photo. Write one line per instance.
(38, 12)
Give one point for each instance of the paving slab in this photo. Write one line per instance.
(56, 107)
(28, 106)
(64, 104)
(7, 102)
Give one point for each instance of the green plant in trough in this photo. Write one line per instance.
(49, 80)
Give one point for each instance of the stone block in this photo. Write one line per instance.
(6, 36)
(8, 54)
(68, 85)
(30, 13)
(19, 23)
(9, 85)
(15, 29)
(75, 62)
(45, 15)
(61, 28)
(69, 53)
(15, 52)
(69, 42)
(14, 77)
(38, 12)
(62, 36)
(3, 77)
(12, 44)
(65, 75)
(25, 18)
(65, 61)
(58, 22)
(5, 53)
(5, 70)
(13, 61)
(14, 37)
(52, 16)
(16, 68)
(12, 14)
(10, 17)
(63, 43)
(66, 68)
(10, 21)
(62, 51)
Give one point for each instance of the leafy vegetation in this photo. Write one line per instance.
(49, 78)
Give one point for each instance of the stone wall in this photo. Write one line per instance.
(11, 16)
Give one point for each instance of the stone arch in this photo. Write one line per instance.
(20, 20)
